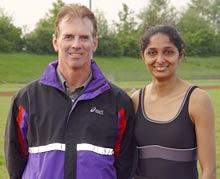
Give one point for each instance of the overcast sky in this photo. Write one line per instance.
(28, 12)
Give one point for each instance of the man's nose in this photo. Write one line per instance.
(76, 43)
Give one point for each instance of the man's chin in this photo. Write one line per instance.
(76, 64)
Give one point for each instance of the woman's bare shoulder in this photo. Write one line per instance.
(135, 99)
(200, 104)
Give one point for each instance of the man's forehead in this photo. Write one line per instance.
(86, 22)
(71, 19)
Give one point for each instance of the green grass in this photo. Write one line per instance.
(215, 95)
(4, 107)
(11, 86)
(22, 68)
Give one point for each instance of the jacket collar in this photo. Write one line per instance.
(97, 84)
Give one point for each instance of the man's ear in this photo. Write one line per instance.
(95, 43)
(54, 41)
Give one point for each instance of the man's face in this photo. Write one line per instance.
(75, 43)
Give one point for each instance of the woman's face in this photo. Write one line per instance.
(161, 57)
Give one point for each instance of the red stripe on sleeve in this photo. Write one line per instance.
(122, 126)
(19, 120)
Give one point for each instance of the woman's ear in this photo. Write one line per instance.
(181, 56)
(142, 55)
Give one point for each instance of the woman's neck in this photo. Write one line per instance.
(163, 88)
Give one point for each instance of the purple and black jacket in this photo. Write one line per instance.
(49, 136)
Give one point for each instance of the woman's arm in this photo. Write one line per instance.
(202, 114)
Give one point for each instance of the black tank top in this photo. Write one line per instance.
(166, 150)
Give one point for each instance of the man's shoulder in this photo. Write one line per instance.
(28, 87)
(116, 88)
(118, 91)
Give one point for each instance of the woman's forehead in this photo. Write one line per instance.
(160, 40)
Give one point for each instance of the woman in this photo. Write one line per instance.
(174, 119)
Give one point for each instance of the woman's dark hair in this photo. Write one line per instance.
(167, 30)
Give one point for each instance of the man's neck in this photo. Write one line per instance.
(75, 78)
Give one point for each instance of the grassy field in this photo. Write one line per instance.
(4, 105)
(18, 69)
(22, 68)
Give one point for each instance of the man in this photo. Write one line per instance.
(71, 123)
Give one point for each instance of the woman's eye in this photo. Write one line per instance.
(152, 53)
(168, 52)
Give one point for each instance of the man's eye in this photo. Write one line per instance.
(84, 37)
(68, 37)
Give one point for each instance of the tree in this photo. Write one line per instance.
(191, 21)
(121, 39)
(127, 23)
(157, 12)
(40, 40)
(126, 31)
(209, 10)
(108, 43)
(109, 46)
(102, 23)
(197, 32)
(10, 36)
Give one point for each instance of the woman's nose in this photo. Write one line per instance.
(160, 58)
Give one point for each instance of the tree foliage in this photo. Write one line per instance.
(209, 10)
(108, 43)
(157, 12)
(121, 39)
(199, 30)
(102, 23)
(40, 40)
(126, 32)
(10, 36)
(199, 24)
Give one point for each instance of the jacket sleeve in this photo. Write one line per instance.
(15, 140)
(125, 146)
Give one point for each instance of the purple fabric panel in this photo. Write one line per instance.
(118, 122)
(98, 91)
(24, 127)
(50, 78)
(97, 85)
(91, 165)
(98, 79)
(45, 165)
(168, 154)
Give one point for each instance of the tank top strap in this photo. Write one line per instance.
(191, 89)
(187, 97)
(140, 101)
(141, 94)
